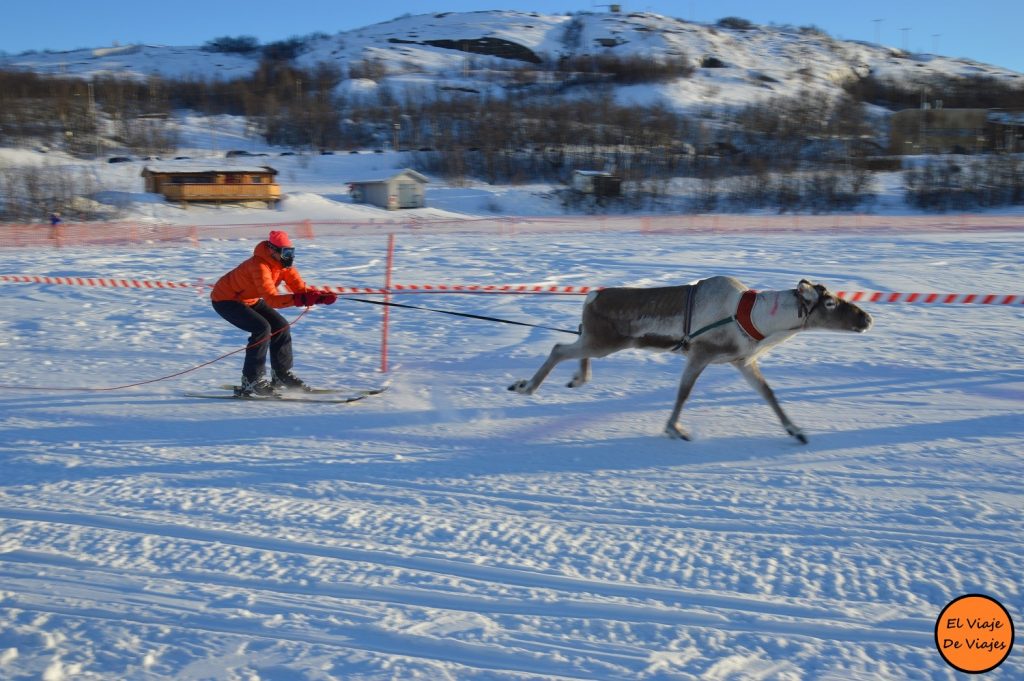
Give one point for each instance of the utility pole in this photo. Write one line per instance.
(935, 42)
(906, 40)
(878, 31)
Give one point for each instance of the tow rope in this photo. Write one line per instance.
(742, 317)
(458, 314)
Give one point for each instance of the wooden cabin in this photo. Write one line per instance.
(213, 184)
(405, 189)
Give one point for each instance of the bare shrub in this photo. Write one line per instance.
(735, 23)
(624, 70)
(30, 193)
(947, 185)
(243, 44)
(370, 69)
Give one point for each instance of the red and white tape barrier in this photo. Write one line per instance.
(95, 281)
(517, 289)
(932, 298)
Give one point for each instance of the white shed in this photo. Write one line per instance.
(405, 189)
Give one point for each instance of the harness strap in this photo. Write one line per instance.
(742, 318)
(691, 294)
(684, 342)
(743, 315)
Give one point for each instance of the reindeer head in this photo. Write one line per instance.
(822, 309)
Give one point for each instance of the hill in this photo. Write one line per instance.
(731, 63)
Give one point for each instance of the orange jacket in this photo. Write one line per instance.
(258, 277)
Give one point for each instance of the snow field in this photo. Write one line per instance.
(450, 529)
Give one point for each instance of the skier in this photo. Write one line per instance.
(247, 297)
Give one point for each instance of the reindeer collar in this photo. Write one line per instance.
(743, 315)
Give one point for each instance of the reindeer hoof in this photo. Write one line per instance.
(798, 434)
(576, 382)
(677, 433)
(521, 387)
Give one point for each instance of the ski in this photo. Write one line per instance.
(311, 391)
(293, 396)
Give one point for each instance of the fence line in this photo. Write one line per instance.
(156, 234)
(390, 289)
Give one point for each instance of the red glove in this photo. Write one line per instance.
(306, 298)
(326, 298)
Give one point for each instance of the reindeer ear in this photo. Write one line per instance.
(807, 291)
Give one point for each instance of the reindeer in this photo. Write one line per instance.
(734, 325)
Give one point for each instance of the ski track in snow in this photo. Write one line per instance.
(450, 529)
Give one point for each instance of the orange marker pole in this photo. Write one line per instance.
(387, 309)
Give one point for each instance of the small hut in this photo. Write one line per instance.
(596, 182)
(405, 189)
(213, 184)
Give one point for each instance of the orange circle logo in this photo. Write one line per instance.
(974, 633)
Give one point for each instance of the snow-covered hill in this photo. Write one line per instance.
(457, 50)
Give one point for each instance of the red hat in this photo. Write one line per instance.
(280, 239)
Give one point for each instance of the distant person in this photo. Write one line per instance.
(55, 219)
(247, 297)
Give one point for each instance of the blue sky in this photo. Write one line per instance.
(988, 30)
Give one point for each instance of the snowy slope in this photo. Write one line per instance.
(450, 529)
(425, 49)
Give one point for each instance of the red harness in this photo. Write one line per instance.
(743, 315)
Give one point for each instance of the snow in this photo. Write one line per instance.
(450, 529)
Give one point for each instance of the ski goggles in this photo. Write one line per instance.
(286, 253)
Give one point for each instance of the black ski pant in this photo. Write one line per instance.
(260, 321)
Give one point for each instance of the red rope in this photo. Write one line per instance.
(162, 378)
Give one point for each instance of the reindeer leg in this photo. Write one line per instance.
(582, 376)
(695, 364)
(559, 353)
(752, 372)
